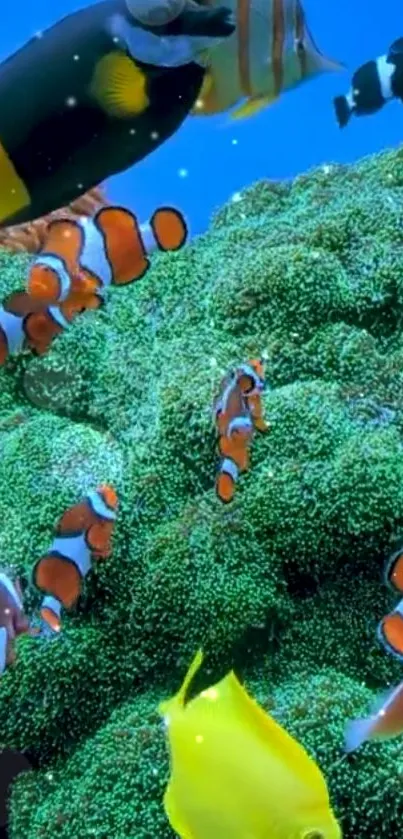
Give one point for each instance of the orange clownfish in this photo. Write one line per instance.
(390, 628)
(83, 533)
(25, 322)
(238, 412)
(82, 257)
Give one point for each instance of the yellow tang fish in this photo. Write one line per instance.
(236, 774)
(271, 51)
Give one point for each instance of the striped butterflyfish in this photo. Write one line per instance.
(271, 51)
(93, 95)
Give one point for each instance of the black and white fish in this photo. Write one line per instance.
(373, 84)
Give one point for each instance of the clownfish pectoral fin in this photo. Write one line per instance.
(14, 195)
(169, 228)
(390, 631)
(119, 86)
(226, 480)
(51, 612)
(252, 107)
(394, 571)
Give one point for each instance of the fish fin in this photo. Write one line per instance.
(179, 698)
(356, 733)
(250, 714)
(252, 107)
(329, 65)
(119, 86)
(14, 195)
(395, 49)
(174, 816)
(343, 110)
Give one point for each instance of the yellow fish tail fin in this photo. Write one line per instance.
(252, 107)
(179, 697)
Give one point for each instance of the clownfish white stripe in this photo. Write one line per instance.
(53, 604)
(99, 507)
(13, 328)
(57, 316)
(56, 264)
(75, 549)
(239, 424)
(150, 243)
(6, 582)
(385, 73)
(93, 257)
(230, 468)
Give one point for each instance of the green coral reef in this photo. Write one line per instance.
(309, 274)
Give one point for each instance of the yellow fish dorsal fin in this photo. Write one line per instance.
(252, 107)
(119, 86)
(179, 697)
(235, 700)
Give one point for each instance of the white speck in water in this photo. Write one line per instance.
(76, 57)
(71, 101)
(199, 104)
(234, 141)
(38, 34)
(236, 197)
(132, 131)
(183, 173)
(154, 135)
(80, 186)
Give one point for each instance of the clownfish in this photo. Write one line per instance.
(236, 773)
(373, 85)
(390, 628)
(82, 257)
(25, 322)
(238, 412)
(385, 721)
(82, 534)
(13, 621)
(94, 94)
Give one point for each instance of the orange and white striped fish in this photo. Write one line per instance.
(270, 52)
(82, 257)
(82, 534)
(390, 628)
(25, 322)
(238, 412)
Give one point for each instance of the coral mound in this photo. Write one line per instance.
(310, 274)
(30, 237)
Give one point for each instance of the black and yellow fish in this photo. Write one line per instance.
(93, 95)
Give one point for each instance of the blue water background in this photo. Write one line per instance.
(210, 159)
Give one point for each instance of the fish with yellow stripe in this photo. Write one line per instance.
(270, 52)
(94, 94)
(235, 773)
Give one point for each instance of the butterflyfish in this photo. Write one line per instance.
(93, 95)
(83, 534)
(236, 773)
(270, 52)
(373, 85)
(82, 257)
